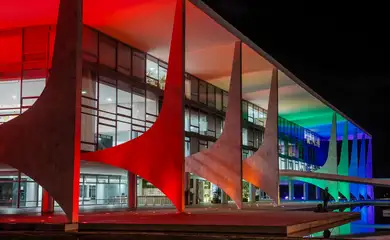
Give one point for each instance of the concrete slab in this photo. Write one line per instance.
(209, 220)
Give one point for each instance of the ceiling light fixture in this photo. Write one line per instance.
(109, 99)
(83, 92)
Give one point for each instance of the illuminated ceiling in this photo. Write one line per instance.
(147, 25)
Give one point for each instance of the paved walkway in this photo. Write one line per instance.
(262, 205)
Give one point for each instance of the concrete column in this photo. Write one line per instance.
(47, 202)
(252, 193)
(132, 190)
(290, 190)
(305, 191)
(187, 179)
(194, 191)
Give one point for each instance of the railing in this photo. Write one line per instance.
(151, 201)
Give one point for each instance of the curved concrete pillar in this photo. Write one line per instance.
(330, 166)
(370, 188)
(362, 167)
(262, 168)
(162, 164)
(342, 169)
(44, 142)
(353, 167)
(221, 163)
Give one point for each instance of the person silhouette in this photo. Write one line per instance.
(326, 199)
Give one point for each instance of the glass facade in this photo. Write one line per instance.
(299, 148)
(103, 189)
(121, 99)
(24, 68)
(18, 190)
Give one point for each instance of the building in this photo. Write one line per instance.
(125, 54)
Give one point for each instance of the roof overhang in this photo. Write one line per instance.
(147, 25)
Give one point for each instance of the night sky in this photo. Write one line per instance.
(340, 51)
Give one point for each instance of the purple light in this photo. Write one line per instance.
(303, 198)
(286, 197)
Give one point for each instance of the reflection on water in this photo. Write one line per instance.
(372, 220)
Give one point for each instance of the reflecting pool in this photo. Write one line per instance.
(374, 220)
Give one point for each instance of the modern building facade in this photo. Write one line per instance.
(120, 81)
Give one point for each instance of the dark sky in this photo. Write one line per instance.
(340, 51)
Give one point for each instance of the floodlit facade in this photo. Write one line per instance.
(157, 103)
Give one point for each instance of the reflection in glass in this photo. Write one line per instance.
(107, 51)
(138, 62)
(187, 88)
(194, 121)
(151, 67)
(202, 92)
(203, 123)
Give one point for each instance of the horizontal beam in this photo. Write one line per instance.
(335, 177)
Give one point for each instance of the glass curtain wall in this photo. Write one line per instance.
(25, 60)
(103, 190)
(297, 146)
(18, 190)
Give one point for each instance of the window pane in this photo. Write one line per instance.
(187, 120)
(162, 76)
(211, 95)
(194, 145)
(245, 136)
(124, 59)
(151, 67)
(202, 92)
(90, 44)
(138, 65)
(124, 97)
(194, 89)
(10, 60)
(187, 88)
(194, 121)
(107, 51)
(225, 101)
(35, 47)
(90, 179)
(9, 97)
(106, 137)
(218, 126)
(187, 149)
(89, 84)
(250, 137)
(88, 128)
(151, 103)
(107, 98)
(139, 104)
(114, 179)
(203, 123)
(211, 125)
(250, 112)
(218, 101)
(33, 87)
(245, 110)
(123, 132)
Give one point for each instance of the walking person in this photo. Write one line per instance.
(326, 199)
